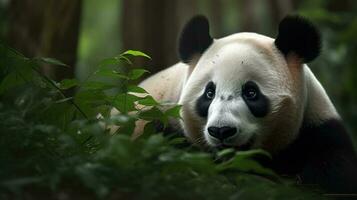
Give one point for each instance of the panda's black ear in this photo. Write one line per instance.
(194, 38)
(298, 35)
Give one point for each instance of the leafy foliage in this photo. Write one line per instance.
(53, 145)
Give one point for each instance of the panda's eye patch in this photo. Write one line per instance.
(250, 91)
(205, 100)
(256, 101)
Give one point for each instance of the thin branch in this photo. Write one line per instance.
(60, 91)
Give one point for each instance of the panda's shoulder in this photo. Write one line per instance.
(166, 85)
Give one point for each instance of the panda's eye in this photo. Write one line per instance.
(210, 94)
(250, 91)
(210, 91)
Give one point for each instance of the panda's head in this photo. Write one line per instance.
(246, 90)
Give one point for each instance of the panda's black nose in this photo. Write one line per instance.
(221, 133)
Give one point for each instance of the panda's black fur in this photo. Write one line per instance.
(194, 39)
(298, 35)
(322, 154)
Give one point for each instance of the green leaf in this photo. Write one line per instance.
(254, 152)
(109, 61)
(148, 101)
(68, 83)
(127, 128)
(110, 73)
(136, 89)
(52, 61)
(84, 95)
(154, 141)
(136, 53)
(152, 114)
(225, 152)
(125, 102)
(87, 98)
(179, 140)
(94, 85)
(11, 80)
(127, 60)
(244, 161)
(137, 73)
(150, 128)
(119, 119)
(174, 112)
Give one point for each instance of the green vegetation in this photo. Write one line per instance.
(53, 145)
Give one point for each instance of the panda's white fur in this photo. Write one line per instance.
(294, 92)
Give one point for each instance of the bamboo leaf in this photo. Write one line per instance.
(136, 53)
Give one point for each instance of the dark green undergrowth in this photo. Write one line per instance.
(55, 143)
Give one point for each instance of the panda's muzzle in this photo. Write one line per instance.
(222, 133)
(226, 136)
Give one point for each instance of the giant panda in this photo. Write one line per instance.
(249, 91)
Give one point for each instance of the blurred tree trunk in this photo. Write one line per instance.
(216, 17)
(186, 9)
(340, 5)
(249, 21)
(153, 27)
(47, 28)
(279, 9)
